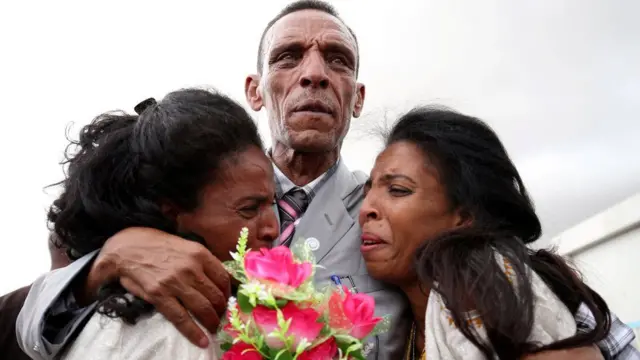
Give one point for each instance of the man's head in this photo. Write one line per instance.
(308, 64)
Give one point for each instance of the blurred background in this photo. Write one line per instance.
(557, 79)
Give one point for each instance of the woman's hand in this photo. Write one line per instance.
(175, 275)
(583, 353)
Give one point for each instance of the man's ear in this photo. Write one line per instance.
(357, 107)
(252, 92)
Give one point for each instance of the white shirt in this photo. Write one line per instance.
(552, 322)
(153, 337)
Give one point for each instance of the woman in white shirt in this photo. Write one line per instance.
(445, 192)
(192, 164)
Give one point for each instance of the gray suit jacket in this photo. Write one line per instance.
(329, 226)
(332, 220)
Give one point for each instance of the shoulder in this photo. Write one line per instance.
(350, 180)
(152, 337)
(360, 177)
(13, 301)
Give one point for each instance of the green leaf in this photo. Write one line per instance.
(281, 303)
(285, 327)
(346, 340)
(357, 355)
(225, 346)
(244, 303)
(354, 347)
(284, 354)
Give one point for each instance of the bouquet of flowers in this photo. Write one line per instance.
(279, 315)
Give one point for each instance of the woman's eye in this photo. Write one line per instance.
(395, 190)
(249, 211)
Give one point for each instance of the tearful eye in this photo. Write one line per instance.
(399, 191)
(249, 211)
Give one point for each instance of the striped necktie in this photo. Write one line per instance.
(291, 207)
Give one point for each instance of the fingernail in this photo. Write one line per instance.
(204, 342)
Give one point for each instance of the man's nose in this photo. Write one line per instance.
(314, 72)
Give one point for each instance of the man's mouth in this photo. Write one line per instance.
(314, 106)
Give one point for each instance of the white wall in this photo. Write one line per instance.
(606, 248)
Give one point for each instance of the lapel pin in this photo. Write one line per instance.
(313, 243)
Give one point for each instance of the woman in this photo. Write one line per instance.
(192, 164)
(444, 191)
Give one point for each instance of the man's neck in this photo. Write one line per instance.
(418, 296)
(302, 167)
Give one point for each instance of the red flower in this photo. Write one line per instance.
(242, 351)
(354, 314)
(325, 351)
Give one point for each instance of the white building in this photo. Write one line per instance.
(606, 249)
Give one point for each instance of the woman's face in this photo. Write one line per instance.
(241, 196)
(405, 204)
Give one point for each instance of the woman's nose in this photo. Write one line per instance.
(368, 210)
(269, 229)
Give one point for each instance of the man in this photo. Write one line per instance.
(306, 79)
(10, 305)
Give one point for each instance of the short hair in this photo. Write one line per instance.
(299, 6)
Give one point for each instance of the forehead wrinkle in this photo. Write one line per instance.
(337, 26)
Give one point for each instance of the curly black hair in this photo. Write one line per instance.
(124, 167)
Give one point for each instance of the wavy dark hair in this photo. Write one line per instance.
(124, 167)
(482, 183)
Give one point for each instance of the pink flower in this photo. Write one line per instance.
(277, 265)
(353, 314)
(304, 324)
(325, 351)
(242, 351)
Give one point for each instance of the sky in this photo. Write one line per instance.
(557, 79)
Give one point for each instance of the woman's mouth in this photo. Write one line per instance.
(371, 242)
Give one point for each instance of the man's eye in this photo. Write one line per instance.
(286, 56)
(338, 60)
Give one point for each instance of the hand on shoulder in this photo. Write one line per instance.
(175, 275)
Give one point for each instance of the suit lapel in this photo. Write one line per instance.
(327, 218)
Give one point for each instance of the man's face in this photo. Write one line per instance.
(308, 83)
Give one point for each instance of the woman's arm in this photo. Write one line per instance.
(177, 276)
(584, 353)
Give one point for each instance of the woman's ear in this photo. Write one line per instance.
(180, 218)
(463, 218)
(171, 212)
